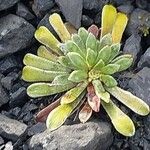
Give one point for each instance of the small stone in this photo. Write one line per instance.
(145, 59)
(139, 22)
(121, 2)
(97, 19)
(7, 82)
(140, 84)
(4, 98)
(18, 98)
(86, 21)
(4, 4)
(142, 4)
(37, 128)
(8, 146)
(8, 64)
(28, 117)
(24, 12)
(91, 135)
(133, 45)
(15, 34)
(72, 10)
(15, 111)
(11, 129)
(41, 7)
(1, 140)
(127, 9)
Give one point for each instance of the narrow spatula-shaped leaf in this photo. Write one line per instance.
(78, 76)
(46, 89)
(44, 36)
(108, 80)
(32, 74)
(77, 60)
(105, 40)
(100, 91)
(124, 61)
(83, 33)
(119, 27)
(104, 54)
(45, 53)
(100, 64)
(91, 58)
(72, 95)
(134, 103)
(91, 42)
(85, 113)
(42, 63)
(59, 27)
(122, 123)
(110, 69)
(43, 114)
(109, 14)
(59, 115)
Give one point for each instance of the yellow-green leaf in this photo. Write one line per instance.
(110, 69)
(119, 27)
(100, 64)
(59, 27)
(91, 42)
(73, 94)
(134, 103)
(83, 33)
(71, 29)
(108, 80)
(32, 74)
(47, 54)
(44, 36)
(122, 123)
(109, 14)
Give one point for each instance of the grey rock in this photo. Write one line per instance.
(142, 4)
(121, 2)
(97, 19)
(15, 34)
(139, 21)
(42, 7)
(8, 146)
(4, 4)
(3, 96)
(86, 21)
(1, 140)
(72, 10)
(7, 82)
(37, 128)
(127, 9)
(18, 98)
(140, 84)
(11, 129)
(90, 136)
(133, 45)
(24, 12)
(145, 59)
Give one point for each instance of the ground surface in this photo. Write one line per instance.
(18, 129)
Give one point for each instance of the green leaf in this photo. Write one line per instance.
(47, 54)
(59, 115)
(104, 54)
(85, 113)
(108, 20)
(105, 40)
(77, 39)
(125, 61)
(99, 65)
(42, 63)
(100, 91)
(131, 101)
(44, 36)
(77, 60)
(78, 76)
(115, 48)
(73, 47)
(122, 123)
(108, 80)
(91, 42)
(110, 69)
(83, 33)
(32, 74)
(58, 25)
(90, 58)
(73, 94)
(46, 89)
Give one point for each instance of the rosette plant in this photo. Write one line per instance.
(82, 65)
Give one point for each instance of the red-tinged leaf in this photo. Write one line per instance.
(85, 113)
(94, 30)
(93, 99)
(43, 114)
